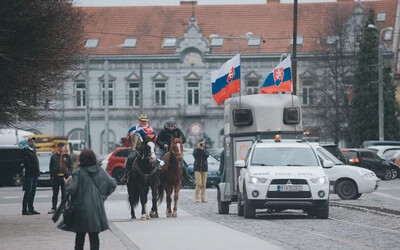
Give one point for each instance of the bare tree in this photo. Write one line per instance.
(40, 42)
(337, 42)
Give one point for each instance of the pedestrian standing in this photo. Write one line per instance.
(60, 166)
(89, 186)
(200, 170)
(32, 172)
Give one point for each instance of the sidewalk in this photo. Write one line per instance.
(40, 232)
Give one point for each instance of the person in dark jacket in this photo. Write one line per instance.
(200, 170)
(32, 172)
(89, 186)
(60, 166)
(164, 137)
(222, 166)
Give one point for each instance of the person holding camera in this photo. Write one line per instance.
(60, 166)
(200, 170)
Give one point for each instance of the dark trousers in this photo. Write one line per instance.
(30, 184)
(94, 241)
(57, 183)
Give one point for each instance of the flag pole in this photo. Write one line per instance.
(240, 80)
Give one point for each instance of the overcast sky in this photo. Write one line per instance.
(176, 2)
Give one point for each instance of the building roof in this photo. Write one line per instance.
(273, 22)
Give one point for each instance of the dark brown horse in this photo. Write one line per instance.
(143, 175)
(171, 174)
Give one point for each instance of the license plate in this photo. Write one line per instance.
(290, 188)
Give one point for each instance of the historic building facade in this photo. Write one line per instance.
(157, 60)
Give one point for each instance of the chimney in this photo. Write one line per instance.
(188, 2)
(273, 1)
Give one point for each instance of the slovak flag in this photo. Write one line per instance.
(226, 80)
(280, 79)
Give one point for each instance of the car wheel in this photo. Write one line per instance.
(249, 210)
(394, 173)
(17, 179)
(388, 175)
(240, 207)
(323, 211)
(117, 174)
(312, 212)
(347, 190)
(223, 206)
(357, 196)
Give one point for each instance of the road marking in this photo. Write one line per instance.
(42, 196)
(363, 225)
(387, 195)
(11, 197)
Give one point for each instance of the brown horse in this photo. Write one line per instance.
(171, 174)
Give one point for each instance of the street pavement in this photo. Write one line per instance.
(185, 232)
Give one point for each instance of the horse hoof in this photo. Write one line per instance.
(153, 214)
(174, 215)
(133, 218)
(144, 217)
(169, 215)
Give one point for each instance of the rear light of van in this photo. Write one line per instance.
(354, 160)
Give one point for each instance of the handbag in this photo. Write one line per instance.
(69, 212)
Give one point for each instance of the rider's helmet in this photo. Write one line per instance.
(143, 117)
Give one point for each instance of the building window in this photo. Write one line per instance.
(80, 93)
(308, 92)
(299, 40)
(387, 35)
(252, 87)
(92, 43)
(381, 16)
(110, 94)
(169, 42)
(254, 41)
(134, 94)
(129, 43)
(217, 41)
(193, 93)
(160, 93)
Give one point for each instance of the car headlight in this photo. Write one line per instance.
(319, 180)
(255, 180)
(366, 174)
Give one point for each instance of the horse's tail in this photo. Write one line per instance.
(160, 194)
(133, 196)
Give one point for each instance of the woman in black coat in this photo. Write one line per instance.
(89, 186)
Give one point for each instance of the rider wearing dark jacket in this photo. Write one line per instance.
(164, 137)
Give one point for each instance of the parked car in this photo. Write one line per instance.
(213, 176)
(116, 163)
(368, 159)
(334, 150)
(381, 150)
(367, 144)
(11, 165)
(348, 182)
(215, 152)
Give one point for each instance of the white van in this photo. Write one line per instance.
(283, 174)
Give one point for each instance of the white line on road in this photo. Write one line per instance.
(11, 197)
(42, 196)
(387, 195)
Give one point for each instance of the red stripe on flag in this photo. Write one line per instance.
(225, 93)
(283, 87)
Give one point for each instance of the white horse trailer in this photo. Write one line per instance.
(250, 118)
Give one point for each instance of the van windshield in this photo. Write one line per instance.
(284, 156)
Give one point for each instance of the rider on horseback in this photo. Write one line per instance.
(143, 129)
(164, 142)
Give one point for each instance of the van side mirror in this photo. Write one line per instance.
(240, 164)
(328, 164)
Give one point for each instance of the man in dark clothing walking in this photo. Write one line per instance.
(32, 172)
(60, 166)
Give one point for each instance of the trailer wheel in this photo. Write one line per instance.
(240, 207)
(223, 206)
(249, 210)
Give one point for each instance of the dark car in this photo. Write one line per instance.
(334, 149)
(368, 159)
(11, 165)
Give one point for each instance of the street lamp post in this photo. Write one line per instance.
(381, 113)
